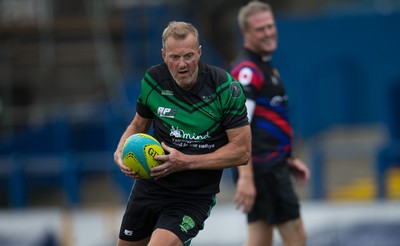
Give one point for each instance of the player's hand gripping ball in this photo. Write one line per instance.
(138, 153)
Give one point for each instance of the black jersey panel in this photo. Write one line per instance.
(193, 121)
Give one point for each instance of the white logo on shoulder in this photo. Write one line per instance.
(245, 76)
(166, 112)
(275, 80)
(167, 93)
(128, 232)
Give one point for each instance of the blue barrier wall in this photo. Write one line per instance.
(338, 69)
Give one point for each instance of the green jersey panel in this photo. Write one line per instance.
(193, 121)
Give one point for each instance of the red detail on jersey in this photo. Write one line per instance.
(275, 118)
(257, 79)
(271, 156)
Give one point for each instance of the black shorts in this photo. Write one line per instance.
(276, 200)
(149, 208)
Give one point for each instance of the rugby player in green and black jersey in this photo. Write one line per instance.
(198, 114)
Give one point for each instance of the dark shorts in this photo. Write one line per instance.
(276, 200)
(149, 208)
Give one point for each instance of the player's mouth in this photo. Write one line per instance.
(183, 72)
(269, 41)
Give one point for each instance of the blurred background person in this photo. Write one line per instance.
(264, 188)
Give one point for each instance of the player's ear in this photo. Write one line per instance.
(199, 50)
(163, 53)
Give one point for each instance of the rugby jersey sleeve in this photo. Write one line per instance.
(250, 76)
(233, 102)
(141, 105)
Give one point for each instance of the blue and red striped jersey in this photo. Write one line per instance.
(271, 130)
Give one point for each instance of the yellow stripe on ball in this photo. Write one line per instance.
(131, 162)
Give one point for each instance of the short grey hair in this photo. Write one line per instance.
(179, 30)
(252, 8)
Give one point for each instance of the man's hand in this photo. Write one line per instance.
(245, 192)
(172, 162)
(299, 170)
(126, 170)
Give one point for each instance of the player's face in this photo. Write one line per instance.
(261, 33)
(182, 57)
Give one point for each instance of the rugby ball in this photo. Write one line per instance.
(138, 153)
